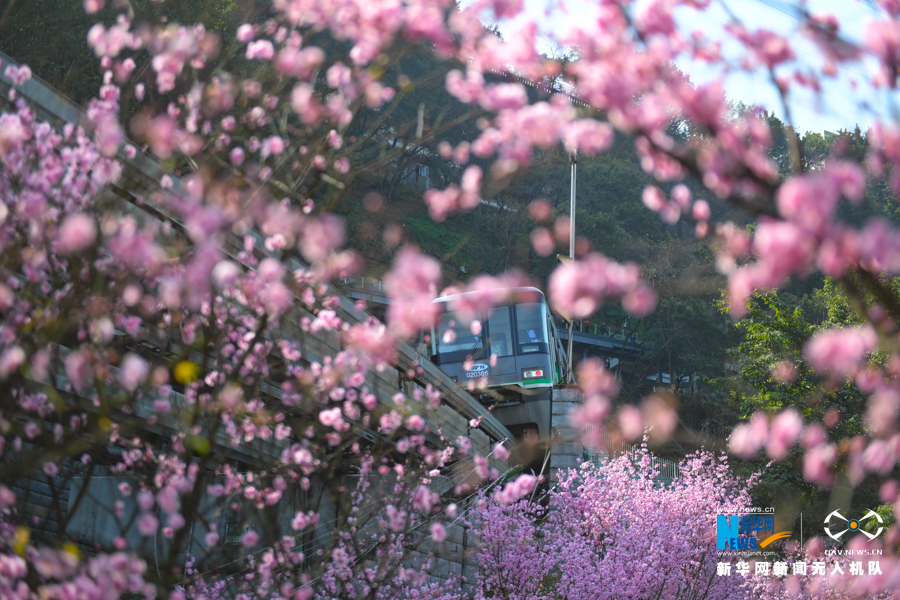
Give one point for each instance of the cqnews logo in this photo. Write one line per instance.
(746, 532)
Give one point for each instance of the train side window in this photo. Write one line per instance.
(531, 323)
(500, 331)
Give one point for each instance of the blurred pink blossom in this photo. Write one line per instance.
(840, 351)
(77, 233)
(784, 432)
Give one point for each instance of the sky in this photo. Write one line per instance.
(845, 101)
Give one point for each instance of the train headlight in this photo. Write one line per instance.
(533, 373)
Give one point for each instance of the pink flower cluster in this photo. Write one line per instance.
(412, 286)
(578, 289)
(608, 531)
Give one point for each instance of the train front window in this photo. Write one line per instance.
(453, 336)
(500, 332)
(531, 327)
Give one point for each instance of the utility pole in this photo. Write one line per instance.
(573, 160)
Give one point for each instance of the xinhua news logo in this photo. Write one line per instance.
(746, 532)
(837, 525)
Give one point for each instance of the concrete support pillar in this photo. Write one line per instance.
(566, 447)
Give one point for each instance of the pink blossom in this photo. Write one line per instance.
(299, 63)
(332, 418)
(659, 417)
(134, 371)
(656, 17)
(640, 301)
(249, 539)
(412, 286)
(580, 287)
(701, 210)
(245, 33)
(12, 133)
(147, 523)
(78, 368)
(587, 136)
(372, 340)
(304, 104)
(504, 96)
(438, 532)
(747, 439)
(415, 423)
(145, 500)
(500, 451)
(175, 521)
(515, 490)
(424, 499)
(467, 90)
(880, 456)
(260, 50)
(808, 201)
(10, 361)
(542, 241)
(7, 498)
(77, 233)
(321, 236)
(653, 198)
(786, 429)
(396, 518)
(817, 464)
(883, 40)
(630, 422)
(769, 49)
(168, 499)
(840, 351)
(442, 202)
(272, 146)
(540, 210)
(92, 6)
(784, 372)
(300, 521)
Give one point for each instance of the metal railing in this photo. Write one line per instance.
(363, 283)
(608, 448)
(582, 326)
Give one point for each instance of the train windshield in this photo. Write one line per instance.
(532, 327)
(453, 336)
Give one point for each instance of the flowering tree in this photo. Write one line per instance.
(613, 531)
(184, 307)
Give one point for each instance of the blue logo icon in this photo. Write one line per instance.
(743, 532)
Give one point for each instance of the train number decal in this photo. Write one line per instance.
(479, 370)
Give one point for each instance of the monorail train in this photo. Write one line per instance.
(517, 350)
